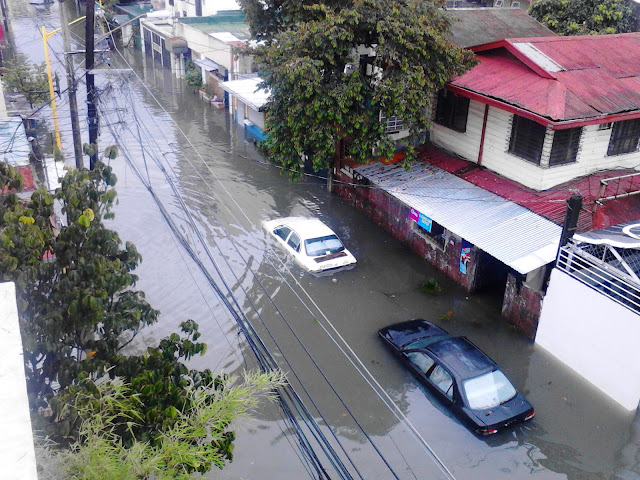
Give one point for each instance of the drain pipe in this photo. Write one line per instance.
(484, 129)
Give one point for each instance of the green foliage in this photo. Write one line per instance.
(192, 76)
(19, 75)
(78, 310)
(431, 286)
(190, 444)
(585, 17)
(314, 103)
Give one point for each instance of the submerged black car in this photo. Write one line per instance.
(460, 374)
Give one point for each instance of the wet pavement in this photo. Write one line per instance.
(321, 330)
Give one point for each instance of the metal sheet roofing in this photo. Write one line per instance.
(513, 234)
(208, 65)
(247, 91)
(476, 26)
(560, 78)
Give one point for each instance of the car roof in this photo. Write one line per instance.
(304, 226)
(461, 356)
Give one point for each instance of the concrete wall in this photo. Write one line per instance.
(17, 456)
(593, 335)
(522, 300)
(393, 215)
(522, 305)
(592, 154)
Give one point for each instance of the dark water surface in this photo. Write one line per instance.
(322, 330)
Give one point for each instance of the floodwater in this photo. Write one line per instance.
(188, 160)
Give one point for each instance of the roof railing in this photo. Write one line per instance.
(599, 276)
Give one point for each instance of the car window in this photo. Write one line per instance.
(294, 241)
(488, 390)
(422, 361)
(282, 232)
(441, 378)
(323, 245)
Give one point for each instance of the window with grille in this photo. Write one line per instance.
(565, 146)
(624, 137)
(527, 138)
(392, 124)
(452, 111)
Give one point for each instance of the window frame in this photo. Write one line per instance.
(523, 133)
(436, 237)
(619, 137)
(292, 244)
(562, 154)
(450, 391)
(452, 111)
(277, 230)
(419, 367)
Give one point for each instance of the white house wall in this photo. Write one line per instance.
(256, 117)
(595, 336)
(464, 144)
(592, 154)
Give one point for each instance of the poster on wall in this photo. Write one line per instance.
(421, 219)
(465, 256)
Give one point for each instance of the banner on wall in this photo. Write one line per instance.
(421, 219)
(465, 256)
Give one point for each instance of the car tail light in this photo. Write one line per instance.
(487, 431)
(530, 416)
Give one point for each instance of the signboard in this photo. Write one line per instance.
(421, 219)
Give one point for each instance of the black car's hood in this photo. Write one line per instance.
(400, 334)
(513, 410)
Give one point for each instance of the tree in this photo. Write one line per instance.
(78, 310)
(100, 455)
(19, 75)
(323, 91)
(79, 302)
(192, 76)
(585, 17)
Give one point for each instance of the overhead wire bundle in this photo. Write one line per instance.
(120, 119)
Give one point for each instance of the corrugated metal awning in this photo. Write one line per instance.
(505, 230)
(208, 65)
(248, 91)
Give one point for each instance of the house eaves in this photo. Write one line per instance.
(559, 82)
(247, 90)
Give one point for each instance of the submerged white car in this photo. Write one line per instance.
(314, 245)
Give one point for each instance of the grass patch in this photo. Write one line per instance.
(431, 287)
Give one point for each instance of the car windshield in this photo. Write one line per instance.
(323, 245)
(488, 390)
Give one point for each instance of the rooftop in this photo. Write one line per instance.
(478, 26)
(551, 203)
(232, 23)
(559, 79)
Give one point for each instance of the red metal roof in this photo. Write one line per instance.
(581, 79)
(551, 203)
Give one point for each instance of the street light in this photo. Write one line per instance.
(45, 39)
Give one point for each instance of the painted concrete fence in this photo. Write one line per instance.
(594, 335)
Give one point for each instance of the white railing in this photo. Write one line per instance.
(600, 276)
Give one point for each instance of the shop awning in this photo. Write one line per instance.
(247, 90)
(505, 230)
(208, 65)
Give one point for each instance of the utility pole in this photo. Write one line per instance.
(71, 81)
(574, 204)
(92, 110)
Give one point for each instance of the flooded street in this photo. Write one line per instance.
(190, 161)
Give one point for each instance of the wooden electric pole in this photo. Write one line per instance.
(574, 205)
(71, 81)
(92, 110)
